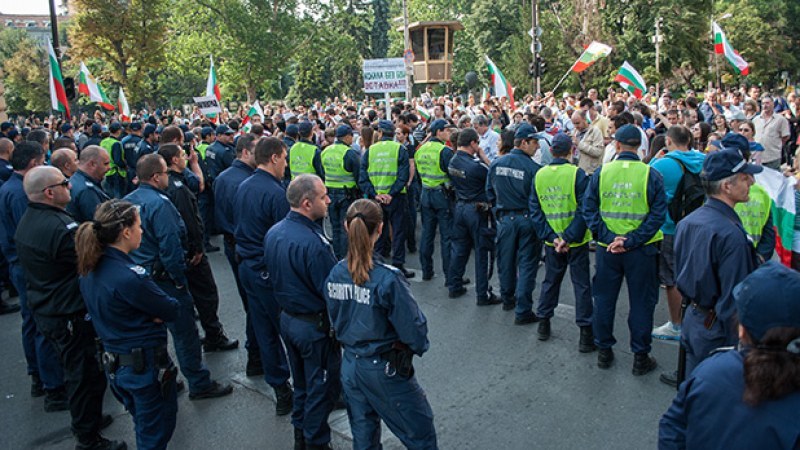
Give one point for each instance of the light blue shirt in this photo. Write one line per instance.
(488, 143)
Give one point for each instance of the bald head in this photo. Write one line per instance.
(94, 161)
(6, 148)
(38, 180)
(65, 160)
(579, 119)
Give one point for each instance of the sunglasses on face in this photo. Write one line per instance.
(64, 183)
(745, 130)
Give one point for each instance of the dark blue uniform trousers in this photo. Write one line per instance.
(205, 204)
(153, 412)
(186, 339)
(699, 342)
(373, 395)
(436, 211)
(556, 264)
(316, 367)
(413, 189)
(337, 212)
(251, 343)
(394, 222)
(265, 317)
(639, 266)
(40, 356)
(518, 252)
(470, 231)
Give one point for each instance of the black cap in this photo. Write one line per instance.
(223, 129)
(343, 130)
(114, 127)
(304, 128)
(439, 125)
(149, 129)
(206, 132)
(628, 135)
(386, 126)
(135, 126)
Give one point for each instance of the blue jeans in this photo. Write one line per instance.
(265, 317)
(186, 339)
(639, 267)
(40, 355)
(518, 251)
(337, 212)
(394, 218)
(436, 211)
(372, 395)
(471, 231)
(556, 264)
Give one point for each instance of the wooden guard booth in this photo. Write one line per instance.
(432, 44)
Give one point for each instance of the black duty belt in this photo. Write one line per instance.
(511, 212)
(311, 318)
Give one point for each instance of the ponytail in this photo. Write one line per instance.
(772, 367)
(363, 218)
(94, 236)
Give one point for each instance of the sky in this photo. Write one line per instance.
(26, 7)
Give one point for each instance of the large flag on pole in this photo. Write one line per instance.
(502, 88)
(723, 47)
(781, 190)
(58, 96)
(594, 52)
(122, 107)
(630, 80)
(212, 86)
(87, 85)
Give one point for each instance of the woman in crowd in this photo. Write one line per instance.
(748, 130)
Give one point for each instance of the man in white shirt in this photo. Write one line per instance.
(488, 137)
(772, 131)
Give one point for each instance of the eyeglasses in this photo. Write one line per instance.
(745, 130)
(64, 183)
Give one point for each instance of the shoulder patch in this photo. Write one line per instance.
(72, 225)
(138, 270)
(721, 350)
(164, 197)
(324, 239)
(390, 267)
(178, 183)
(89, 183)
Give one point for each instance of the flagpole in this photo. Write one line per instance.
(565, 75)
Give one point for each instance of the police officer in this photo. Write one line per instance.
(130, 145)
(149, 142)
(341, 166)
(96, 136)
(746, 397)
(380, 326)
(508, 189)
(436, 205)
(625, 206)
(260, 204)
(472, 224)
(304, 156)
(116, 181)
(384, 175)
(54, 298)
(221, 153)
(208, 136)
(43, 365)
(87, 191)
(128, 311)
(162, 255)
(6, 149)
(298, 258)
(556, 205)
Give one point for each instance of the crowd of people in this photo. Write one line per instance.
(660, 189)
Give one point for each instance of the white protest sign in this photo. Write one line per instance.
(384, 75)
(208, 104)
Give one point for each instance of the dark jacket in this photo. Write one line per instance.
(186, 203)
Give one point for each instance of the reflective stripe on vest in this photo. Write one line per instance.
(555, 188)
(301, 158)
(755, 213)
(113, 169)
(336, 176)
(427, 162)
(623, 197)
(383, 168)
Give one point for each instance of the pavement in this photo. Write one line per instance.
(491, 384)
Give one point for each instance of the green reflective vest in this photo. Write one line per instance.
(383, 168)
(301, 159)
(336, 176)
(113, 169)
(555, 188)
(427, 162)
(755, 213)
(623, 197)
(201, 150)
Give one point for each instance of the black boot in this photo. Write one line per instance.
(284, 397)
(586, 343)
(37, 389)
(319, 447)
(6, 308)
(643, 364)
(254, 366)
(605, 357)
(221, 343)
(402, 269)
(299, 440)
(98, 442)
(56, 400)
(544, 329)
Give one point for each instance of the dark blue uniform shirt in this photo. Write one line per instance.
(13, 203)
(403, 173)
(164, 233)
(130, 145)
(298, 258)
(468, 176)
(260, 204)
(5, 170)
(656, 199)
(510, 181)
(86, 194)
(145, 148)
(225, 186)
(368, 319)
(218, 158)
(577, 229)
(123, 301)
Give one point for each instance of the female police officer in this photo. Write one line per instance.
(380, 327)
(128, 311)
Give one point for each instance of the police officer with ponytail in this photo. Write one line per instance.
(380, 326)
(128, 311)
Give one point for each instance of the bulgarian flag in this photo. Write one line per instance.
(501, 86)
(423, 113)
(630, 80)
(212, 86)
(58, 96)
(255, 110)
(87, 85)
(122, 106)
(781, 190)
(594, 52)
(723, 47)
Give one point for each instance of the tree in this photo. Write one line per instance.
(26, 72)
(380, 28)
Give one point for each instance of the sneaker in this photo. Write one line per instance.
(669, 378)
(491, 300)
(544, 329)
(284, 397)
(605, 357)
(98, 442)
(643, 364)
(56, 400)
(215, 390)
(667, 332)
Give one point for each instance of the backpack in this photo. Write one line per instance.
(689, 194)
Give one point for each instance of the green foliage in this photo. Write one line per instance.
(380, 28)
(26, 72)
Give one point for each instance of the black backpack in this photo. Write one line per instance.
(689, 195)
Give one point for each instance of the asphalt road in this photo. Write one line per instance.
(491, 384)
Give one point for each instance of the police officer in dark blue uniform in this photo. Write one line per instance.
(162, 254)
(96, 137)
(130, 145)
(508, 189)
(220, 154)
(298, 258)
(87, 191)
(6, 148)
(260, 204)
(472, 224)
(380, 326)
(128, 311)
(149, 142)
